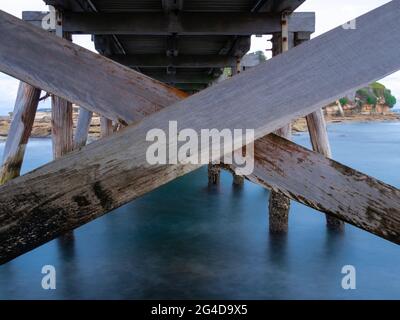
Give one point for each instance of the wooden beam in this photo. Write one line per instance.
(184, 23)
(327, 186)
(182, 78)
(34, 66)
(191, 87)
(106, 127)
(20, 130)
(320, 143)
(62, 124)
(318, 133)
(181, 61)
(172, 5)
(108, 173)
(61, 127)
(82, 128)
(238, 180)
(278, 203)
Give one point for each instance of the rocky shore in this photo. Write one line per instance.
(300, 125)
(42, 124)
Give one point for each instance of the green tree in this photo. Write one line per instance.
(344, 101)
(390, 100)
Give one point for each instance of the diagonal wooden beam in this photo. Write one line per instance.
(327, 186)
(111, 172)
(32, 54)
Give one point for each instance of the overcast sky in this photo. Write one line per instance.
(329, 14)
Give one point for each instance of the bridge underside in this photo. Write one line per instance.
(222, 50)
(106, 174)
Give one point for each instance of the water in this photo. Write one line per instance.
(186, 240)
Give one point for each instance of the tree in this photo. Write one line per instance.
(389, 99)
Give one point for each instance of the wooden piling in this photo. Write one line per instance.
(61, 127)
(20, 130)
(279, 204)
(320, 143)
(214, 173)
(237, 180)
(61, 117)
(82, 127)
(106, 127)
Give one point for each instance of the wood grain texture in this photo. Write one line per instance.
(318, 133)
(106, 174)
(320, 143)
(180, 61)
(184, 23)
(21, 127)
(62, 127)
(106, 127)
(328, 186)
(82, 128)
(31, 54)
(278, 203)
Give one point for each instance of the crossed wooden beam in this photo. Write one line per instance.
(87, 183)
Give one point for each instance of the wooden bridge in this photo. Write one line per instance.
(172, 49)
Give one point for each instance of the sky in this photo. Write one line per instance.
(329, 14)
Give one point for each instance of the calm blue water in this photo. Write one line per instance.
(186, 240)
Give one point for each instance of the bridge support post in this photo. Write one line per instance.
(279, 204)
(62, 132)
(82, 127)
(214, 173)
(19, 132)
(320, 142)
(237, 180)
(22, 121)
(61, 126)
(106, 127)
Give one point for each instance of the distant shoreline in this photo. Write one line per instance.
(42, 124)
(300, 125)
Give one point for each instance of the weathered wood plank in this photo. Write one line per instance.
(180, 61)
(184, 23)
(318, 133)
(106, 127)
(62, 125)
(82, 128)
(278, 203)
(327, 186)
(20, 130)
(31, 54)
(320, 143)
(108, 173)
